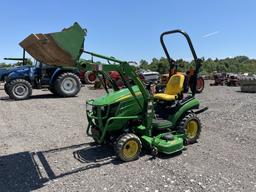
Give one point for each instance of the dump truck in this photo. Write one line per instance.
(57, 64)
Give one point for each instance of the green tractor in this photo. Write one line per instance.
(133, 117)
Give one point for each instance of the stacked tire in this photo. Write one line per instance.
(248, 84)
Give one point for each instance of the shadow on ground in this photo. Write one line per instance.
(243, 92)
(26, 171)
(43, 96)
(18, 172)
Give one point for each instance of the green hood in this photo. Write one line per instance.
(116, 96)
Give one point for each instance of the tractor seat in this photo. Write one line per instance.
(173, 88)
(161, 124)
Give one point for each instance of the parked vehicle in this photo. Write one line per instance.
(60, 81)
(165, 78)
(232, 80)
(228, 79)
(115, 76)
(131, 118)
(149, 76)
(219, 79)
(55, 67)
(87, 77)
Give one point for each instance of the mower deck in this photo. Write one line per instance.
(164, 145)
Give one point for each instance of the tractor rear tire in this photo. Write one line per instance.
(90, 77)
(199, 85)
(128, 147)
(67, 85)
(19, 89)
(190, 125)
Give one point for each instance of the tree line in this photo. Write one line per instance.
(19, 63)
(238, 64)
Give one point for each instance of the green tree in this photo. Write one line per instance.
(144, 64)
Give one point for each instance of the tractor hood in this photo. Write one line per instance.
(60, 48)
(4, 71)
(116, 96)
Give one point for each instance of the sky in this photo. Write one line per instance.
(130, 30)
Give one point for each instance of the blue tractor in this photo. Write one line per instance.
(61, 81)
(56, 67)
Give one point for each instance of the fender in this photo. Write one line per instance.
(60, 70)
(55, 74)
(189, 105)
(3, 72)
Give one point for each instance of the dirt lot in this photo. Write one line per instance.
(43, 147)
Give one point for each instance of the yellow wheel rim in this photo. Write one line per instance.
(130, 149)
(191, 129)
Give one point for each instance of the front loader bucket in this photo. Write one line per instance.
(60, 49)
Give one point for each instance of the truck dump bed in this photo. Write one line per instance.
(60, 49)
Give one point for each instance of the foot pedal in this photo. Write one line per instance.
(161, 124)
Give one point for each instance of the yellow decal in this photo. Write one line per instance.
(128, 96)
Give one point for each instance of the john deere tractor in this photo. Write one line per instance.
(133, 118)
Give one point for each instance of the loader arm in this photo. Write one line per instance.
(124, 70)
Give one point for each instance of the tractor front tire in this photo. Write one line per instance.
(128, 147)
(67, 85)
(6, 88)
(190, 125)
(19, 89)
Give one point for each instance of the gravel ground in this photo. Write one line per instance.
(43, 147)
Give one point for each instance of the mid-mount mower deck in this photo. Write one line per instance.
(133, 118)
